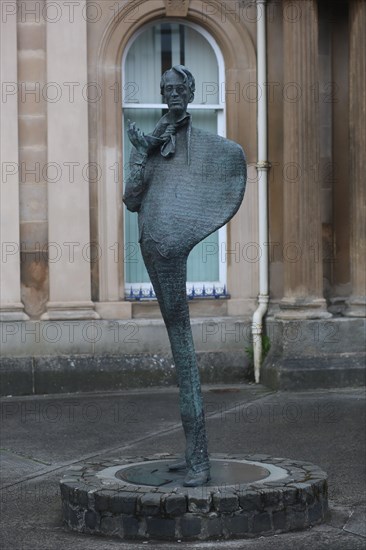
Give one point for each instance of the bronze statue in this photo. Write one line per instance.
(184, 183)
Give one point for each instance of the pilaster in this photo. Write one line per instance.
(303, 294)
(357, 126)
(11, 307)
(69, 169)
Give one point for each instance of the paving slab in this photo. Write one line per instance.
(14, 467)
(322, 427)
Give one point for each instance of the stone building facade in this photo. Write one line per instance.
(65, 311)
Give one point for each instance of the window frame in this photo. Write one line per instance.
(138, 291)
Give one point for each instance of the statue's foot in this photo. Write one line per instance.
(175, 466)
(196, 479)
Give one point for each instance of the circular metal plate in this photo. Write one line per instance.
(223, 472)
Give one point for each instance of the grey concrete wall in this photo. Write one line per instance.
(69, 356)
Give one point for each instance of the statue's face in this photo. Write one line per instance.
(176, 93)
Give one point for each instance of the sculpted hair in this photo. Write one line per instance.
(185, 73)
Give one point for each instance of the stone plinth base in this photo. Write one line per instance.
(317, 353)
(141, 499)
(69, 311)
(72, 355)
(12, 312)
(356, 307)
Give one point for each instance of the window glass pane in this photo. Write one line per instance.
(141, 78)
(201, 61)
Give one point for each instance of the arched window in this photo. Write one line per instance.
(154, 49)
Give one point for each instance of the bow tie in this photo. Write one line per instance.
(164, 135)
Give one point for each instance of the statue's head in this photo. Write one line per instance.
(177, 87)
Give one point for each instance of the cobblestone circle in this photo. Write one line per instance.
(105, 505)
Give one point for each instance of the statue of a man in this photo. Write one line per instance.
(184, 183)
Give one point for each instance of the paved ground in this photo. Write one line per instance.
(42, 436)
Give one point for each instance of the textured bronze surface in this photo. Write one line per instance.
(184, 183)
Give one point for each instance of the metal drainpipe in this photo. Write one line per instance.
(262, 168)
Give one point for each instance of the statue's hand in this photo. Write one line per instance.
(137, 138)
